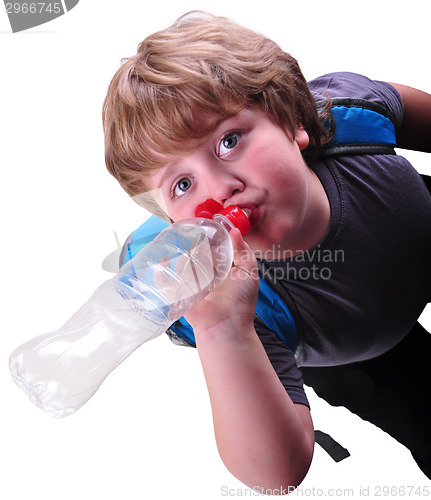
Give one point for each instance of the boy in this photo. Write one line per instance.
(208, 109)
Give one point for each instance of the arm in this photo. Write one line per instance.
(263, 438)
(415, 130)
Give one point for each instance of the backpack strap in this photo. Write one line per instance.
(328, 443)
(276, 308)
(427, 181)
(361, 127)
(145, 233)
(271, 309)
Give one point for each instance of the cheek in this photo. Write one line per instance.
(185, 211)
(177, 215)
(266, 242)
(285, 179)
(266, 164)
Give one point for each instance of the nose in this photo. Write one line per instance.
(222, 186)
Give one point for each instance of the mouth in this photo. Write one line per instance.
(253, 214)
(247, 212)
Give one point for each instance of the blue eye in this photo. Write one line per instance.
(182, 186)
(229, 142)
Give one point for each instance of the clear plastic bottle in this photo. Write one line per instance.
(61, 370)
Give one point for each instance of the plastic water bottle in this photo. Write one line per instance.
(61, 370)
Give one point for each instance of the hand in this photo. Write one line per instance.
(230, 308)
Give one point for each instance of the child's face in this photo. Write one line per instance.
(252, 162)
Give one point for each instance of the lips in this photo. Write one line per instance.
(253, 213)
(247, 212)
(255, 218)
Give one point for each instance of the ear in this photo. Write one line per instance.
(301, 137)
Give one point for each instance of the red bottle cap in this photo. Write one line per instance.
(238, 218)
(208, 208)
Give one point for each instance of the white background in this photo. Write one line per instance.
(147, 433)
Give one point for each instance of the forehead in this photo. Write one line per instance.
(177, 139)
(185, 142)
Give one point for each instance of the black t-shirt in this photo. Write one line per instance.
(361, 290)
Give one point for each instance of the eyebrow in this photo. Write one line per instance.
(221, 122)
(163, 175)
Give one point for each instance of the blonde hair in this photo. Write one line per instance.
(200, 65)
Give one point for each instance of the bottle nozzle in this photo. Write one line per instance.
(238, 216)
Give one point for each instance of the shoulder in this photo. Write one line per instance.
(356, 86)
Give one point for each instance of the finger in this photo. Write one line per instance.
(243, 256)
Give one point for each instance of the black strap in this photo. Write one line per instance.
(427, 181)
(334, 449)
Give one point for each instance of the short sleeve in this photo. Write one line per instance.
(355, 86)
(284, 363)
